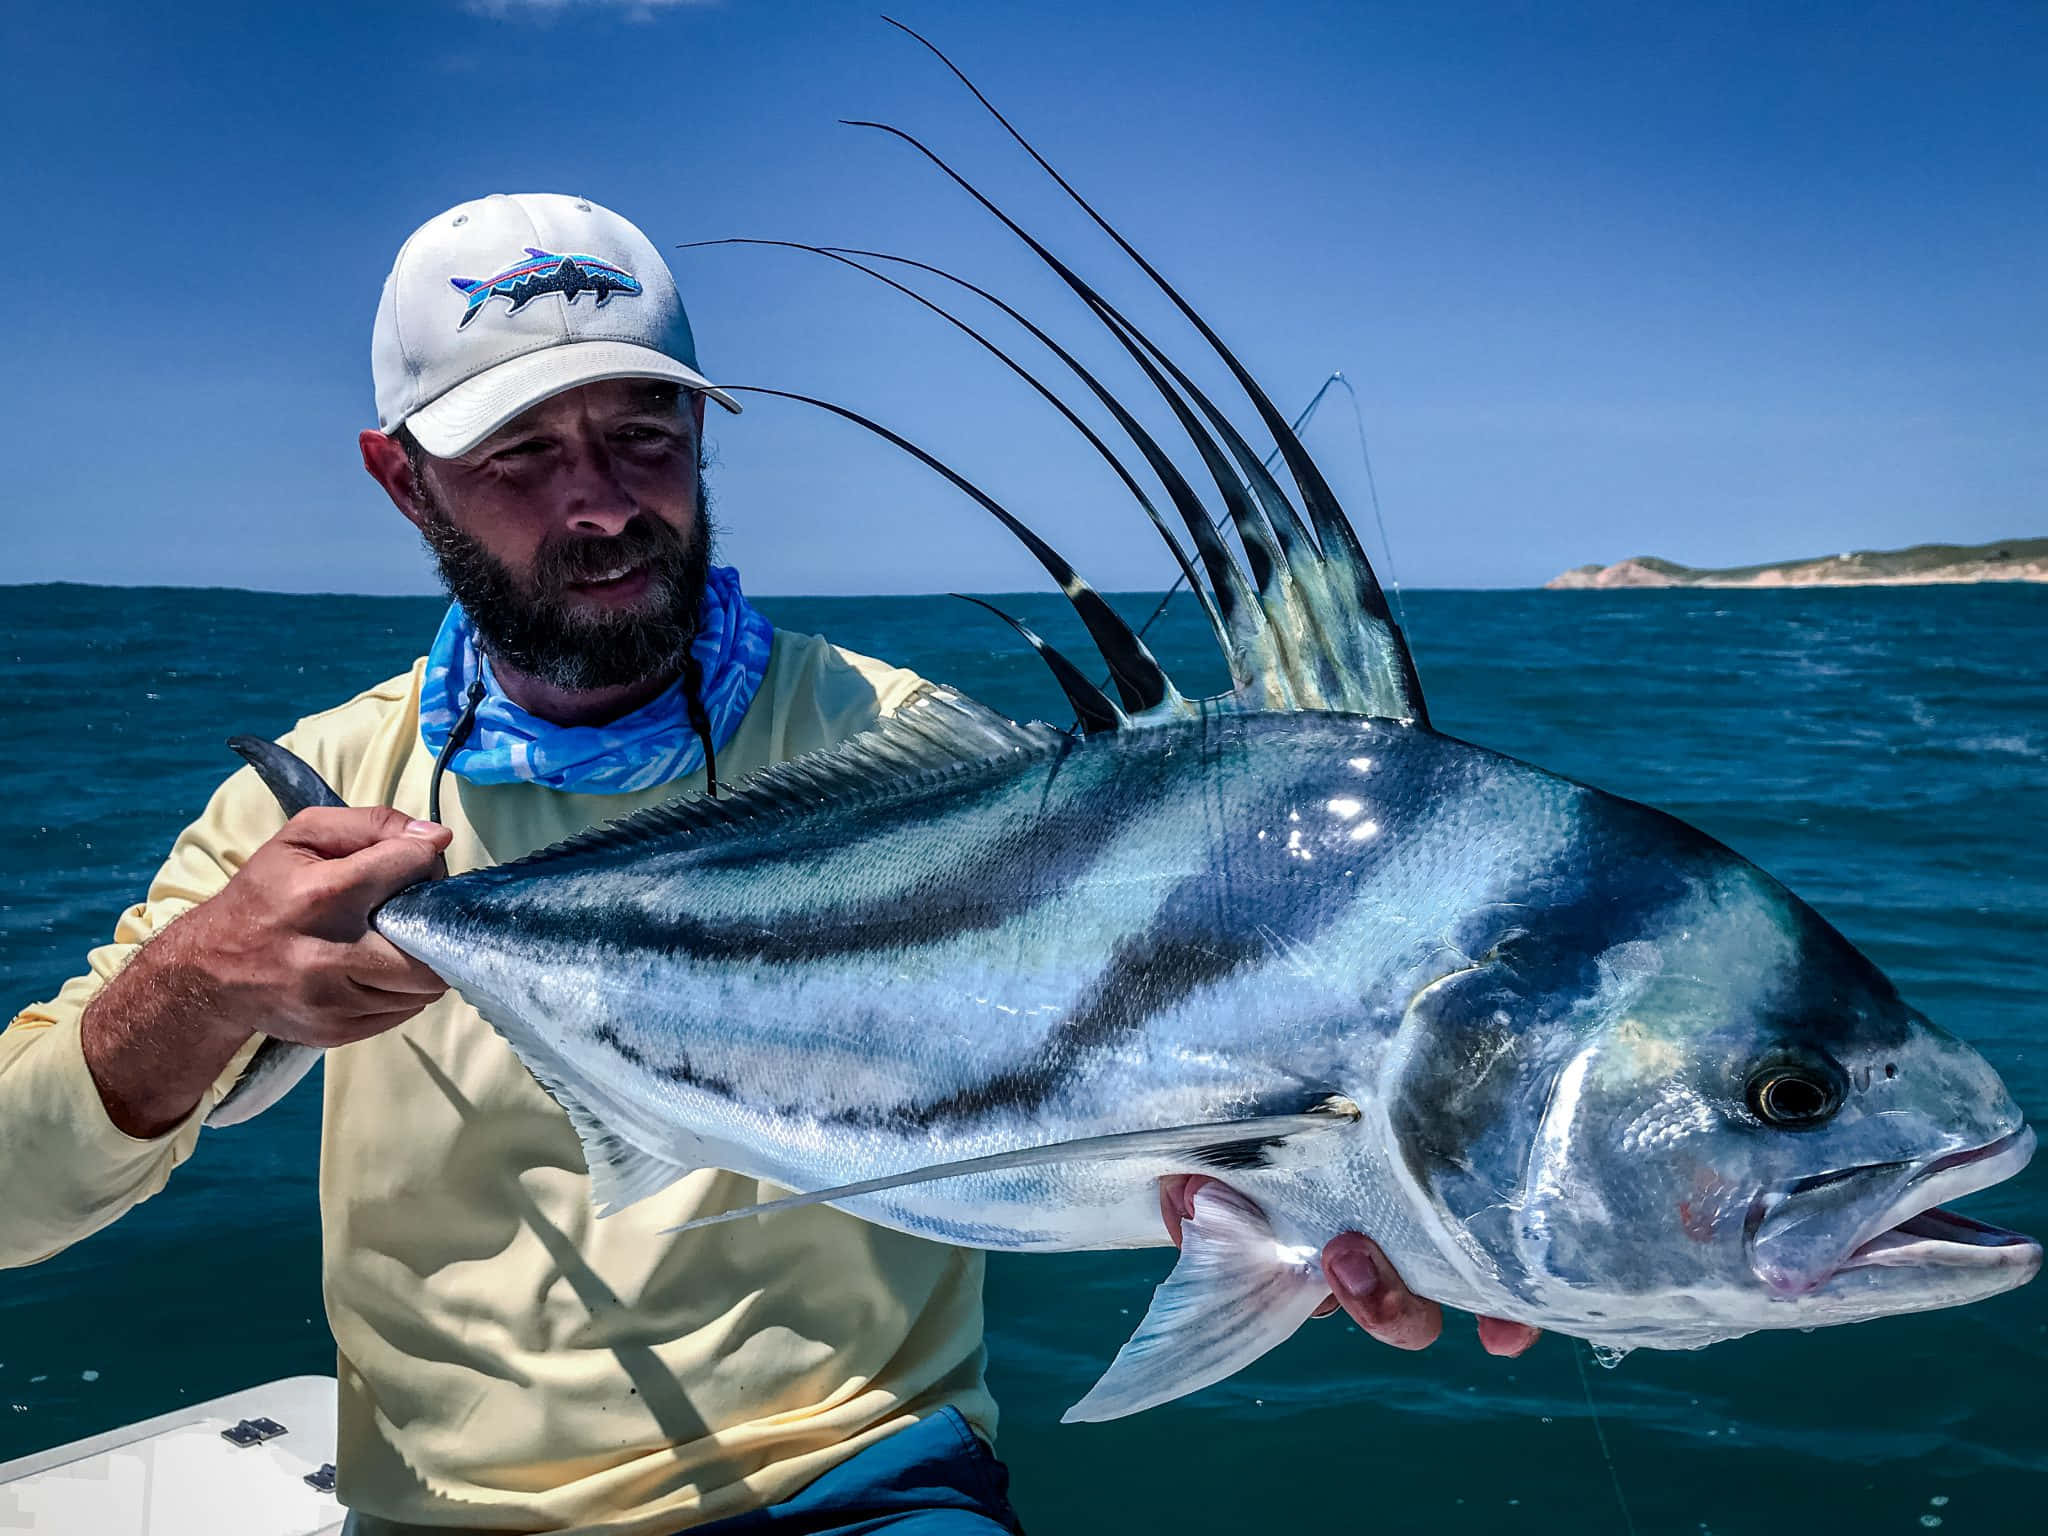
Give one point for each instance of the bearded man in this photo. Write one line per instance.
(506, 1361)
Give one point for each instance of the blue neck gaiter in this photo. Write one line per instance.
(651, 746)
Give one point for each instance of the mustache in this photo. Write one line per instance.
(643, 540)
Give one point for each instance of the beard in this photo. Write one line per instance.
(529, 623)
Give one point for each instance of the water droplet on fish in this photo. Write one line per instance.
(1610, 1355)
(88, 1375)
(1930, 1521)
(1546, 1418)
(1939, 1500)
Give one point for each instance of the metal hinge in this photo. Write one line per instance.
(252, 1432)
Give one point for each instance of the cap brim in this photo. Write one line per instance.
(477, 407)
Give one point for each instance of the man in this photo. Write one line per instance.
(508, 1363)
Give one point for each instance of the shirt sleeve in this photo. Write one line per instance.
(66, 1169)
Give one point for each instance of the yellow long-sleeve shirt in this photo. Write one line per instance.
(507, 1361)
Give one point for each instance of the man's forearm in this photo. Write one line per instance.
(155, 1038)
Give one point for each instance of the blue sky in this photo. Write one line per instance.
(1718, 282)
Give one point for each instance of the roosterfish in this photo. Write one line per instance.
(1569, 1060)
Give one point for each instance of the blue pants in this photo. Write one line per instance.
(935, 1478)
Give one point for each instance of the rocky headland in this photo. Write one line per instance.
(1922, 565)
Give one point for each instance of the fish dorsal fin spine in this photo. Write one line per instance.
(1312, 629)
(936, 731)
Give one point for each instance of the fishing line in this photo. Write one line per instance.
(700, 721)
(1373, 494)
(1600, 1433)
(464, 724)
(1299, 422)
(693, 706)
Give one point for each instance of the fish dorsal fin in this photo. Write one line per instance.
(936, 731)
(1092, 707)
(1311, 629)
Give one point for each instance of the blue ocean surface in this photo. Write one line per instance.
(1883, 752)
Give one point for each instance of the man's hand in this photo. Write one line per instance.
(285, 948)
(1363, 1282)
(287, 943)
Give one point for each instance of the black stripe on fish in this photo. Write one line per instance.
(681, 1071)
(1147, 976)
(1190, 945)
(990, 883)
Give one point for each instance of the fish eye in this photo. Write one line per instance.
(1794, 1095)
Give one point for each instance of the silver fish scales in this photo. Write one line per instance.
(1571, 1061)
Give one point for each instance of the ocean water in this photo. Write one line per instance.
(1884, 752)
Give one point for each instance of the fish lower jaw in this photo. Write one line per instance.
(1939, 1238)
(1920, 1235)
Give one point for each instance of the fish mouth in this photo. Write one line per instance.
(1927, 1235)
(1910, 1230)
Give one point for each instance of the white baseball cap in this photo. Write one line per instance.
(499, 303)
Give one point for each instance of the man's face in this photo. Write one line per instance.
(576, 536)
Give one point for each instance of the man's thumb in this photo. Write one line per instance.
(409, 852)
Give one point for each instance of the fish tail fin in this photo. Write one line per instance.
(285, 774)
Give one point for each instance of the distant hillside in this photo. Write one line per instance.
(1922, 565)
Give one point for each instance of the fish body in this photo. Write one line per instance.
(544, 272)
(1569, 1060)
(1531, 990)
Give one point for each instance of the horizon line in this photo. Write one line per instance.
(171, 586)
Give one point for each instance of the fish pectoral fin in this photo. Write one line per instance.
(1235, 1294)
(1226, 1143)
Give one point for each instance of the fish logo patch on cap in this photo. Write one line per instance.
(542, 272)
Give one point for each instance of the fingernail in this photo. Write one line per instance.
(1355, 1272)
(424, 828)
